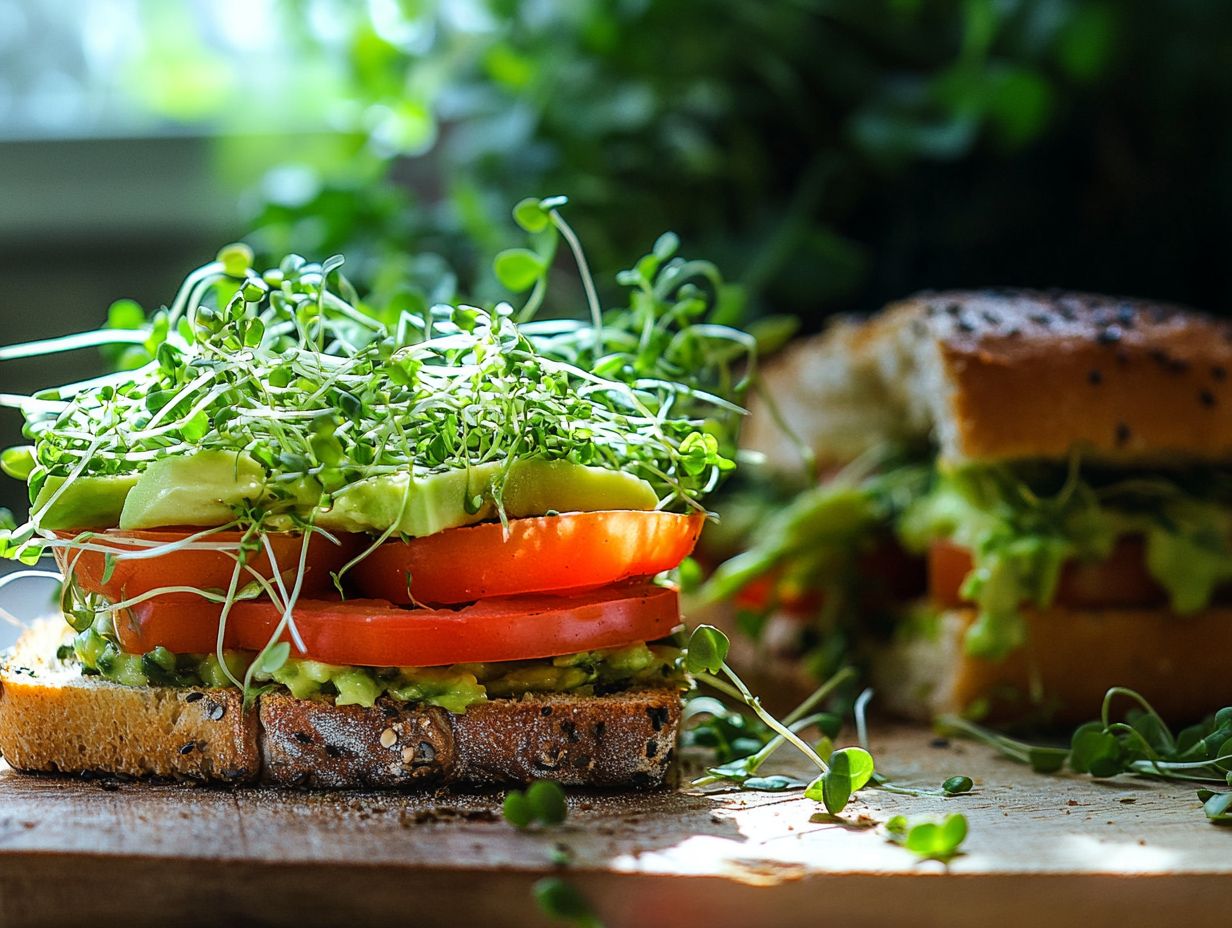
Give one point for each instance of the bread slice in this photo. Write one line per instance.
(53, 719)
(1004, 374)
(1071, 659)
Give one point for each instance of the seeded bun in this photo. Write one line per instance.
(1004, 374)
(1060, 676)
(54, 720)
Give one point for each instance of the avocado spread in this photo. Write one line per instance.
(1022, 523)
(453, 688)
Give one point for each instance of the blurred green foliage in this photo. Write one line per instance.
(824, 152)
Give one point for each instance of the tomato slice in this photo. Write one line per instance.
(374, 633)
(1120, 581)
(551, 554)
(201, 568)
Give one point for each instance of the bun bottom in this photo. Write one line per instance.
(1071, 659)
(54, 720)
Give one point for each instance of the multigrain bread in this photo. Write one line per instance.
(1180, 662)
(53, 719)
(1004, 374)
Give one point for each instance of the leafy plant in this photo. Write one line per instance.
(561, 900)
(929, 838)
(1141, 745)
(543, 803)
(849, 769)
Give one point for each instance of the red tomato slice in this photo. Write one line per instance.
(551, 554)
(374, 633)
(203, 569)
(1120, 581)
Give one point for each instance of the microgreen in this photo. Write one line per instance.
(559, 899)
(288, 368)
(543, 803)
(1140, 744)
(929, 839)
(849, 769)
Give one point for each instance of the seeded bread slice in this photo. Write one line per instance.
(53, 719)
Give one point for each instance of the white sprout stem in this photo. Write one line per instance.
(786, 733)
(588, 284)
(221, 635)
(287, 622)
(29, 575)
(72, 343)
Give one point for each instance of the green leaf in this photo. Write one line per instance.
(235, 259)
(706, 650)
(558, 899)
(937, 841)
(273, 657)
(547, 802)
(125, 314)
(518, 269)
(18, 462)
(1095, 751)
(1218, 808)
(531, 215)
(517, 810)
(109, 565)
(957, 785)
(850, 770)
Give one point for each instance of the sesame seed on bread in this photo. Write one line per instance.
(1008, 374)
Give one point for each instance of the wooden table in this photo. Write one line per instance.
(1042, 851)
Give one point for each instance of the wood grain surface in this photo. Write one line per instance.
(1042, 850)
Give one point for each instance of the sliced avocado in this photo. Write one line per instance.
(197, 489)
(463, 497)
(87, 502)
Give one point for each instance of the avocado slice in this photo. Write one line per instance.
(463, 497)
(196, 489)
(86, 503)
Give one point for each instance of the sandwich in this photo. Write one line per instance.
(1000, 503)
(304, 541)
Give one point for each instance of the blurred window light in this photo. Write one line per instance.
(138, 68)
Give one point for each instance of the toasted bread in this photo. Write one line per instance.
(54, 719)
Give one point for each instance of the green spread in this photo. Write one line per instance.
(1021, 523)
(210, 487)
(454, 688)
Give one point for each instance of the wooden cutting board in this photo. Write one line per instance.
(1042, 851)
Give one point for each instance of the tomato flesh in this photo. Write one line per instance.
(552, 554)
(1120, 581)
(200, 568)
(376, 633)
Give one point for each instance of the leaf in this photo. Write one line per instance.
(1218, 808)
(559, 899)
(937, 841)
(109, 565)
(518, 269)
(274, 657)
(850, 770)
(17, 462)
(1095, 751)
(517, 810)
(707, 650)
(531, 215)
(547, 802)
(957, 785)
(771, 784)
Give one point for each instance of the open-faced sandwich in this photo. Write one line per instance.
(305, 541)
(1019, 500)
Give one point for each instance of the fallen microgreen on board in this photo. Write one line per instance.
(542, 803)
(929, 838)
(1139, 744)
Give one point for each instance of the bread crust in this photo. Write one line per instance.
(1007, 374)
(1071, 659)
(53, 719)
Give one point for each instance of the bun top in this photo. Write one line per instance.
(1007, 374)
